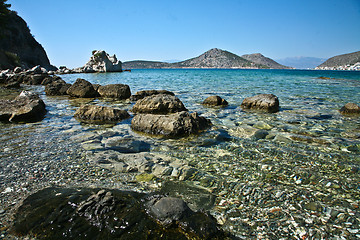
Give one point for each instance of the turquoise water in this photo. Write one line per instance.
(298, 177)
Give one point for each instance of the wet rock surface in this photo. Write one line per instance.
(100, 114)
(57, 88)
(82, 89)
(215, 101)
(159, 104)
(264, 102)
(350, 109)
(145, 93)
(79, 213)
(173, 125)
(27, 107)
(117, 91)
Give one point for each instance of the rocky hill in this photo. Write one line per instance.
(217, 58)
(140, 64)
(214, 58)
(350, 61)
(258, 58)
(17, 46)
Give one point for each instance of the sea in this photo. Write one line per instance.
(294, 174)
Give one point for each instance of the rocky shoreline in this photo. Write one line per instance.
(120, 153)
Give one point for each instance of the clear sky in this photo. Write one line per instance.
(167, 29)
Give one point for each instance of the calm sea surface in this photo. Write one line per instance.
(274, 175)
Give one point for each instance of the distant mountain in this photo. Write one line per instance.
(214, 58)
(301, 62)
(217, 58)
(349, 61)
(260, 59)
(141, 64)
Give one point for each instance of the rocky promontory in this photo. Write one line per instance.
(349, 61)
(100, 61)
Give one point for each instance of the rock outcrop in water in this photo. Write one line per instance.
(173, 125)
(215, 101)
(159, 104)
(116, 91)
(82, 89)
(263, 102)
(100, 61)
(69, 213)
(350, 109)
(145, 93)
(100, 114)
(27, 107)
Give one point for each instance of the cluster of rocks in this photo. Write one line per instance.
(111, 214)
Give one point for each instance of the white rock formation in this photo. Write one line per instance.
(100, 61)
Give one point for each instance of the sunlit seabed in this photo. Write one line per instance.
(307, 164)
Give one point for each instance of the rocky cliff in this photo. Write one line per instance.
(258, 58)
(350, 61)
(17, 46)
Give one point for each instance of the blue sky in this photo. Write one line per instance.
(163, 30)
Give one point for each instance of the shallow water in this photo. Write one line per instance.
(298, 177)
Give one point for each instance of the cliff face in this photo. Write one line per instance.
(18, 47)
(349, 61)
(260, 59)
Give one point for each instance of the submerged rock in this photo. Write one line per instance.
(117, 91)
(70, 213)
(82, 89)
(100, 114)
(172, 125)
(27, 107)
(145, 93)
(159, 104)
(215, 101)
(350, 108)
(264, 102)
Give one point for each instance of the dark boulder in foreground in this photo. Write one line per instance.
(173, 125)
(263, 102)
(145, 93)
(100, 114)
(117, 91)
(69, 213)
(159, 104)
(350, 108)
(82, 89)
(27, 107)
(215, 101)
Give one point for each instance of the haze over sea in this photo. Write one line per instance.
(291, 173)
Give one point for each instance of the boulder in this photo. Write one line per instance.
(117, 91)
(349, 109)
(145, 93)
(263, 102)
(27, 107)
(215, 101)
(159, 104)
(100, 114)
(78, 213)
(172, 125)
(82, 89)
(57, 88)
(100, 61)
